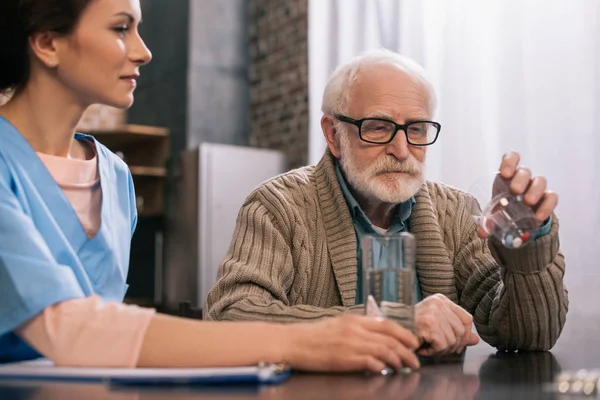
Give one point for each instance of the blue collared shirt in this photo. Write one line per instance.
(363, 226)
(45, 255)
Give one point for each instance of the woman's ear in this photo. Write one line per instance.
(43, 46)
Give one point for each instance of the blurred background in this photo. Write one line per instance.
(236, 87)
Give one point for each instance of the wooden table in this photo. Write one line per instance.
(483, 374)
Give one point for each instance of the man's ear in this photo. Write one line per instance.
(330, 132)
(43, 46)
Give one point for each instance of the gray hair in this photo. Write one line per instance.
(337, 91)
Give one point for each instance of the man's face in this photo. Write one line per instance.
(391, 172)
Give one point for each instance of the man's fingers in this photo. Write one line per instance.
(536, 190)
(449, 334)
(444, 326)
(457, 327)
(521, 180)
(466, 337)
(482, 233)
(509, 164)
(428, 352)
(473, 339)
(470, 339)
(466, 321)
(461, 313)
(438, 341)
(547, 207)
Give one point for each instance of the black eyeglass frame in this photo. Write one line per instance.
(404, 128)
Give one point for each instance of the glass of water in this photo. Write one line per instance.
(389, 277)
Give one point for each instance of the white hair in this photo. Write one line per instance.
(337, 91)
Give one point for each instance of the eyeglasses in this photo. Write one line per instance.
(383, 131)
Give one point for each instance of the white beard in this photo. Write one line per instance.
(372, 182)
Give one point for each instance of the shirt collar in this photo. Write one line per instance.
(359, 217)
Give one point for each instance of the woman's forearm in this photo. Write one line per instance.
(178, 342)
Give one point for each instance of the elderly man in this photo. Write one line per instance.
(294, 254)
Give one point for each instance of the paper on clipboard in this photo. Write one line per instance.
(43, 369)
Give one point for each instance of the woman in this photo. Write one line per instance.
(67, 213)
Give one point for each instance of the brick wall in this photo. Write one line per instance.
(279, 77)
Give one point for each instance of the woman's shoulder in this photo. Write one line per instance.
(10, 150)
(5, 172)
(106, 156)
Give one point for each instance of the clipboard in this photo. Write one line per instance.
(45, 370)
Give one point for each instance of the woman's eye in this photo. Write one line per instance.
(121, 29)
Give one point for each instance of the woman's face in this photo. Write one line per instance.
(99, 61)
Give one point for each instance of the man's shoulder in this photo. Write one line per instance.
(439, 191)
(288, 197)
(296, 182)
(447, 202)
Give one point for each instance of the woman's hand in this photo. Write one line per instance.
(350, 343)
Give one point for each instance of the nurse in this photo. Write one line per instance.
(67, 214)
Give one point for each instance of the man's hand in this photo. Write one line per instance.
(444, 327)
(521, 181)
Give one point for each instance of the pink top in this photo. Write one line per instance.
(86, 332)
(80, 181)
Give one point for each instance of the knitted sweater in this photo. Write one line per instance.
(293, 258)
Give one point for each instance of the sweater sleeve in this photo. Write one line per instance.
(88, 332)
(517, 296)
(257, 273)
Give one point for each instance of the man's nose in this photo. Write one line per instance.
(398, 147)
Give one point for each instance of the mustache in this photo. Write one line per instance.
(387, 165)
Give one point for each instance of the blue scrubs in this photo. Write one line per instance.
(45, 254)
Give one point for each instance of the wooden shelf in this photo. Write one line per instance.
(145, 150)
(143, 130)
(127, 136)
(140, 130)
(148, 171)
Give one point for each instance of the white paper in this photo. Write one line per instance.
(43, 368)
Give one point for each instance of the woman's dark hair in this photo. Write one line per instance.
(19, 19)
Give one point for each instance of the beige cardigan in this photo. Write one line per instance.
(293, 258)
